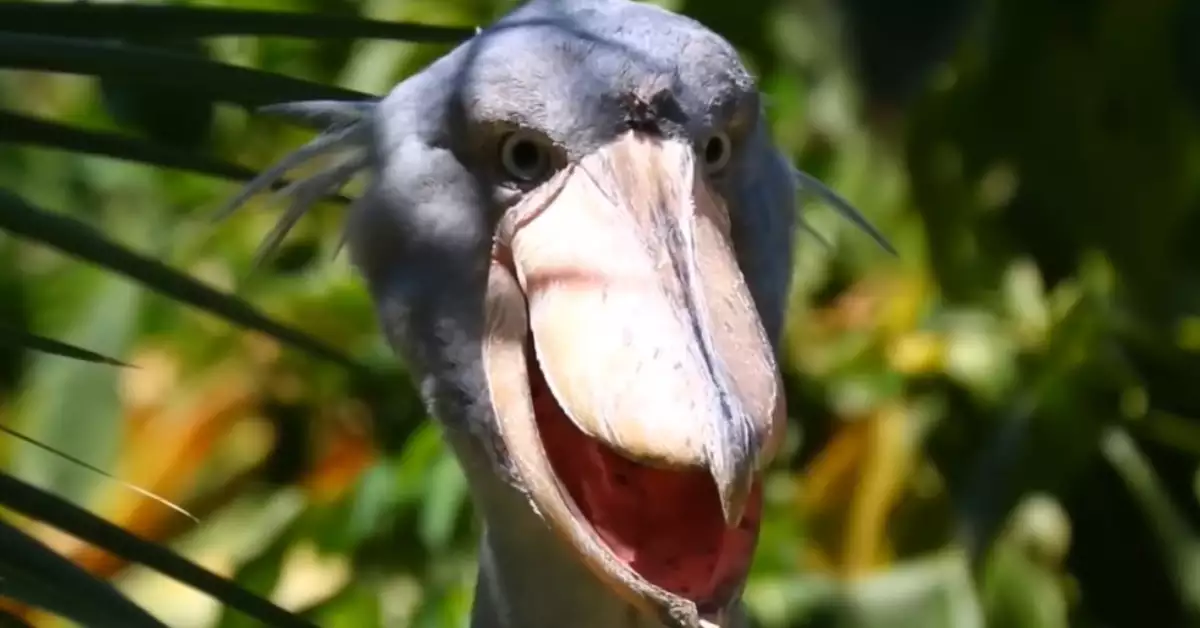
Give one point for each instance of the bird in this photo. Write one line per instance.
(577, 235)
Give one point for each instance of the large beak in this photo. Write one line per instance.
(622, 268)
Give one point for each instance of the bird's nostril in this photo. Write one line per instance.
(667, 106)
(652, 110)
(640, 114)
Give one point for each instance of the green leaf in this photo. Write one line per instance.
(34, 342)
(61, 393)
(260, 574)
(1170, 529)
(369, 509)
(356, 606)
(445, 495)
(58, 513)
(168, 116)
(34, 574)
(19, 129)
(107, 59)
(1018, 591)
(132, 20)
(83, 242)
(935, 592)
(932, 592)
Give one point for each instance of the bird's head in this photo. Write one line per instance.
(579, 236)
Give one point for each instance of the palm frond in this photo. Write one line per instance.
(132, 20)
(36, 575)
(29, 131)
(66, 517)
(95, 40)
(187, 73)
(97, 470)
(25, 339)
(16, 128)
(81, 241)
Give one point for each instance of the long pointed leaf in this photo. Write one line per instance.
(97, 470)
(107, 321)
(75, 521)
(23, 338)
(20, 129)
(83, 242)
(34, 574)
(218, 81)
(125, 20)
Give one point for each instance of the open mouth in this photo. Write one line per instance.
(633, 385)
(664, 524)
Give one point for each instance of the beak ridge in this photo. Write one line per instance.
(642, 322)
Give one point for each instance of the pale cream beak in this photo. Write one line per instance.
(623, 268)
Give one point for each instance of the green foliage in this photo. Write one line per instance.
(34, 573)
(24, 339)
(30, 131)
(993, 428)
(52, 510)
(79, 240)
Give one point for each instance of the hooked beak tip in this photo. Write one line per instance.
(734, 476)
(733, 505)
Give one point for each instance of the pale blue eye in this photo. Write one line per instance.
(524, 157)
(716, 152)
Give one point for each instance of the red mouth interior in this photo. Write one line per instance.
(664, 524)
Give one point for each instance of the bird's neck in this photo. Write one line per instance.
(529, 578)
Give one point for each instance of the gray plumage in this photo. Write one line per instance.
(421, 234)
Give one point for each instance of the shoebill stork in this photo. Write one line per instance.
(578, 237)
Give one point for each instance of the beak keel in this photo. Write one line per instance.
(622, 269)
(641, 320)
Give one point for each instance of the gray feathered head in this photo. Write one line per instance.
(579, 236)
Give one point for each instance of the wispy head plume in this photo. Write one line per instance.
(345, 134)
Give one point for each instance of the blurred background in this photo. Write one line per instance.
(1000, 426)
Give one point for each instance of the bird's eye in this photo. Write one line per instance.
(717, 151)
(524, 157)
